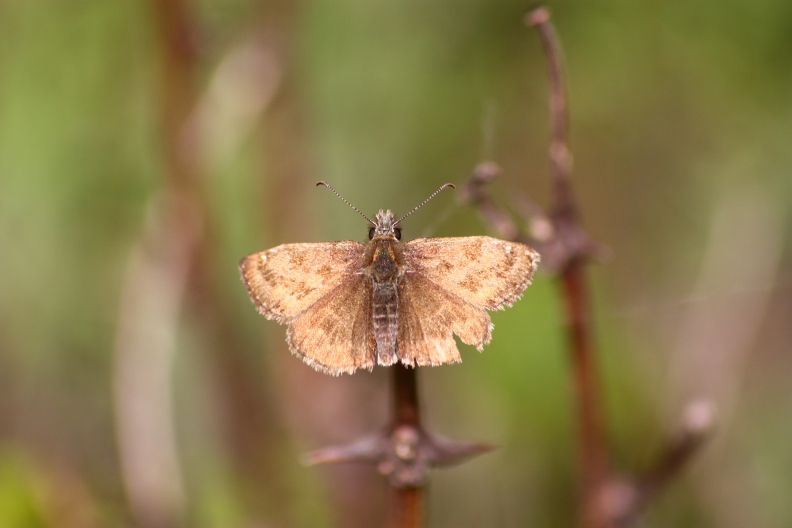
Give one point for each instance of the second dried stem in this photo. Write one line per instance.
(573, 248)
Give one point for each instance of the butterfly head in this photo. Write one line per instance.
(385, 226)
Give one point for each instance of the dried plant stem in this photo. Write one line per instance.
(565, 216)
(594, 464)
(406, 409)
(697, 424)
(406, 508)
(607, 499)
(407, 502)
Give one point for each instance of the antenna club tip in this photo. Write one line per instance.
(320, 182)
(447, 185)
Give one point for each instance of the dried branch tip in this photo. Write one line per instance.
(699, 417)
(537, 16)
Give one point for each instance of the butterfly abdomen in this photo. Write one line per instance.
(385, 312)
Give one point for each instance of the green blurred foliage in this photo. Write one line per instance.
(681, 126)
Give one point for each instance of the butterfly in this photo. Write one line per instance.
(352, 306)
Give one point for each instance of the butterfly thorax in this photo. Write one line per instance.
(385, 268)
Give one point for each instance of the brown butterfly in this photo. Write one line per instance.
(350, 305)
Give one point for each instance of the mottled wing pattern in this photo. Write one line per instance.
(284, 281)
(483, 271)
(429, 316)
(335, 334)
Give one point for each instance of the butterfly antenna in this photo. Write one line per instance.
(444, 186)
(345, 200)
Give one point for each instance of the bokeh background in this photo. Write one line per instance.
(145, 147)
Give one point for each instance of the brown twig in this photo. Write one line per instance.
(406, 508)
(475, 193)
(607, 500)
(621, 500)
(573, 248)
(698, 423)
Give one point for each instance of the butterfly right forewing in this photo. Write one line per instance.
(484, 271)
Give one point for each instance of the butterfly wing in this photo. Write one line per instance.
(483, 271)
(284, 281)
(317, 290)
(428, 318)
(335, 335)
(448, 285)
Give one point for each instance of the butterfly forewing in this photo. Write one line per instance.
(484, 271)
(286, 280)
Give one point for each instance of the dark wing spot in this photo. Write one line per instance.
(473, 251)
(325, 271)
(301, 289)
(471, 283)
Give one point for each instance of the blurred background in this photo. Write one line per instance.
(145, 147)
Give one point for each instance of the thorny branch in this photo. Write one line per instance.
(403, 451)
(607, 500)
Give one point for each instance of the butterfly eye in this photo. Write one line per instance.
(371, 233)
(397, 232)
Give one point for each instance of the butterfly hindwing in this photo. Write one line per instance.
(428, 318)
(335, 334)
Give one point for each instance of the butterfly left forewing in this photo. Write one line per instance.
(484, 271)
